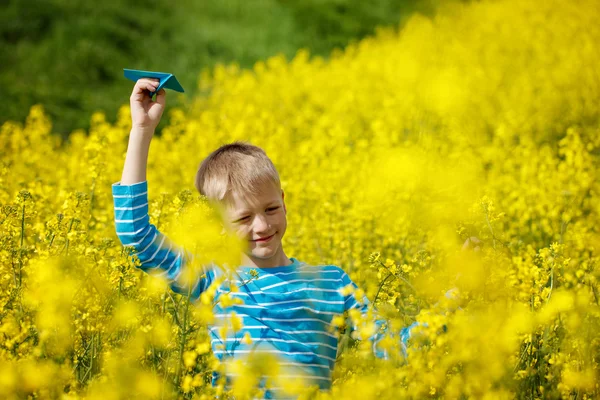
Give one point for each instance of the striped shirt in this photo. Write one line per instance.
(287, 311)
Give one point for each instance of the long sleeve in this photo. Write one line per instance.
(355, 299)
(157, 254)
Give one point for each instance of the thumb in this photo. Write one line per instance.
(161, 97)
(156, 108)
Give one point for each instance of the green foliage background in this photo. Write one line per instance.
(69, 54)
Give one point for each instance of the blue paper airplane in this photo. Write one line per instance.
(168, 81)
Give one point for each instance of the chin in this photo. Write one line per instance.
(262, 254)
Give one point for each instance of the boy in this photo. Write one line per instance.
(288, 309)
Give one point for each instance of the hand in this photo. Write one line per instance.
(472, 243)
(145, 113)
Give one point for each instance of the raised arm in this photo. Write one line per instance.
(155, 251)
(145, 116)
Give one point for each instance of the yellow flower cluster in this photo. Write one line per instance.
(484, 121)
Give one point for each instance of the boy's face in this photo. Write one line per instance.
(261, 221)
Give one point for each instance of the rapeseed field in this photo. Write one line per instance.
(483, 122)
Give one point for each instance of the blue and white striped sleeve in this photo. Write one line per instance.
(381, 327)
(157, 254)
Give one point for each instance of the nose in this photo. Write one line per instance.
(260, 224)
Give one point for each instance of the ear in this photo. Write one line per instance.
(283, 200)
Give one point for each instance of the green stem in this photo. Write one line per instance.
(22, 242)
(380, 286)
(67, 237)
(184, 332)
(23, 225)
(92, 200)
(93, 355)
(551, 282)
(398, 276)
(120, 281)
(176, 309)
(165, 375)
(523, 354)
(490, 227)
(595, 292)
(12, 263)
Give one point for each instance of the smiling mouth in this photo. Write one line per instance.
(263, 240)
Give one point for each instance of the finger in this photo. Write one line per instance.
(151, 80)
(466, 244)
(143, 85)
(149, 86)
(475, 240)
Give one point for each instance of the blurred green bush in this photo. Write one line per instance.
(68, 54)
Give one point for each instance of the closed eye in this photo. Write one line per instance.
(272, 208)
(242, 219)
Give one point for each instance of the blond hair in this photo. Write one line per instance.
(237, 167)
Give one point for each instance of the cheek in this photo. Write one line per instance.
(282, 223)
(241, 231)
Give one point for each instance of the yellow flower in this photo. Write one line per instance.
(247, 340)
(404, 144)
(203, 348)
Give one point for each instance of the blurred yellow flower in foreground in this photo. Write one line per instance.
(479, 122)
